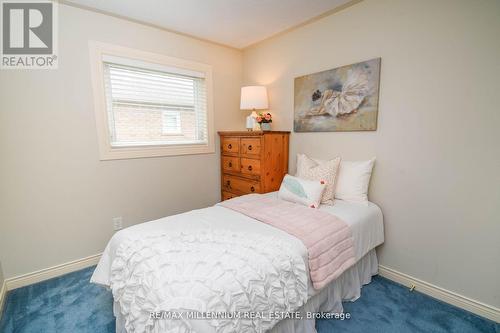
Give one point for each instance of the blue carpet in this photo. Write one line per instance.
(64, 304)
(71, 304)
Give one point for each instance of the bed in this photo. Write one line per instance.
(364, 220)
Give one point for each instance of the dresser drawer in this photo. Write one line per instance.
(230, 146)
(228, 195)
(230, 163)
(239, 185)
(250, 166)
(250, 146)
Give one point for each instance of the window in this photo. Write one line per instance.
(150, 105)
(171, 123)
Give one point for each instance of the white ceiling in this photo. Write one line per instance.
(236, 23)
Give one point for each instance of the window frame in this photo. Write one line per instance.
(98, 51)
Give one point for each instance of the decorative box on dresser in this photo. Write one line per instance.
(252, 162)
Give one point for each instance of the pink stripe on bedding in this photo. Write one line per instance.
(327, 238)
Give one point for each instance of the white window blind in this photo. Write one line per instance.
(151, 105)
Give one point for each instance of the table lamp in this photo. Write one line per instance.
(253, 98)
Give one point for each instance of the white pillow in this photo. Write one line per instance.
(353, 180)
(325, 171)
(302, 191)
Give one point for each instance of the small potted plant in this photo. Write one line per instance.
(264, 120)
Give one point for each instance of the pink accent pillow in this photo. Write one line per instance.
(323, 171)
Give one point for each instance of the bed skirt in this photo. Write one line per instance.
(347, 287)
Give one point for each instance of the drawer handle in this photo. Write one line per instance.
(252, 189)
(249, 147)
(228, 183)
(229, 146)
(230, 164)
(249, 168)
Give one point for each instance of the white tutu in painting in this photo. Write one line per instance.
(341, 99)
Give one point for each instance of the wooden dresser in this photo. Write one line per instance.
(252, 162)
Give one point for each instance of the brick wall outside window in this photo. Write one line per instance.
(137, 124)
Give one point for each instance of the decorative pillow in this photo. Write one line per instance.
(325, 171)
(302, 191)
(354, 179)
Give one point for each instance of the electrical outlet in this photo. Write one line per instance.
(117, 222)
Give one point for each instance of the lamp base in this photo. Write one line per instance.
(250, 122)
(256, 126)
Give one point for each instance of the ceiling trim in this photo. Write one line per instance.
(152, 25)
(309, 21)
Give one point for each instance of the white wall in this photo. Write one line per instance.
(437, 145)
(56, 198)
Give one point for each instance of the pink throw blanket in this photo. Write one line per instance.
(327, 238)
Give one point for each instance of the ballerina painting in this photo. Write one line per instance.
(340, 99)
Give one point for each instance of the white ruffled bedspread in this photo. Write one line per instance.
(206, 270)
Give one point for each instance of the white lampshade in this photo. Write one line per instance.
(254, 98)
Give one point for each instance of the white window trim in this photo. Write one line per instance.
(99, 50)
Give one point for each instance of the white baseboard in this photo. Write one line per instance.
(450, 297)
(51, 272)
(3, 293)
